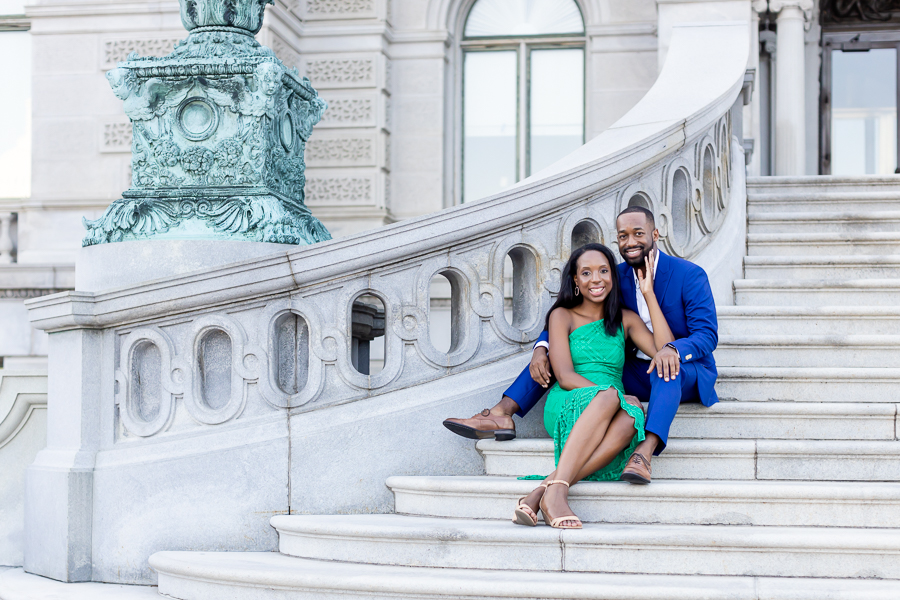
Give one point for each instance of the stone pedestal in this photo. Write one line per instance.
(790, 114)
(109, 266)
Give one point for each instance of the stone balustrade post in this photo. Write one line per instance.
(6, 243)
(59, 484)
(790, 112)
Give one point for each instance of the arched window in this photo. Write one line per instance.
(523, 90)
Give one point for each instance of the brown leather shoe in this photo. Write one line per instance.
(483, 425)
(637, 470)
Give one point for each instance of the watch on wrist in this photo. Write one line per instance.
(672, 346)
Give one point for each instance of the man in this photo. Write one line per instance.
(685, 369)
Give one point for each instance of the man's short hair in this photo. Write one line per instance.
(643, 211)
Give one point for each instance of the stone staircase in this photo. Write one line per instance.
(787, 489)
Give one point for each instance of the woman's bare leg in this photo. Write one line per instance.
(584, 439)
(617, 438)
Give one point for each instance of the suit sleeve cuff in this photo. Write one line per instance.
(682, 349)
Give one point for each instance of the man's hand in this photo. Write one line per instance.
(666, 362)
(540, 367)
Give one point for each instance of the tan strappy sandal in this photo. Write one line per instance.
(548, 518)
(525, 518)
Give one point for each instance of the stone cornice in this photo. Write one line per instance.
(777, 5)
(87, 10)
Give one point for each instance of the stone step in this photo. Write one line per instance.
(808, 350)
(809, 384)
(604, 548)
(849, 292)
(811, 320)
(809, 244)
(272, 576)
(823, 191)
(712, 459)
(764, 503)
(821, 267)
(787, 421)
(844, 221)
(767, 203)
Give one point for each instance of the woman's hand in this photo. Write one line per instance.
(646, 280)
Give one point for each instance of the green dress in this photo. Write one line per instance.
(599, 358)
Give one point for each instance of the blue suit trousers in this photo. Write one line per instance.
(661, 397)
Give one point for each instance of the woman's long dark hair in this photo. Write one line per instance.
(612, 310)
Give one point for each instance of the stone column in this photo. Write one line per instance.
(752, 114)
(6, 243)
(790, 128)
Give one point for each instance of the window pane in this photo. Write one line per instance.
(489, 123)
(523, 17)
(15, 115)
(557, 105)
(864, 112)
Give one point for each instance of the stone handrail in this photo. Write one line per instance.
(283, 322)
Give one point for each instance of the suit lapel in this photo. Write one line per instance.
(628, 290)
(663, 276)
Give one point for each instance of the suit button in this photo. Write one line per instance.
(688, 357)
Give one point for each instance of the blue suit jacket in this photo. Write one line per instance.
(682, 289)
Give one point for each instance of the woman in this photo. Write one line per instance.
(594, 428)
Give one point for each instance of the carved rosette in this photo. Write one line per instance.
(220, 127)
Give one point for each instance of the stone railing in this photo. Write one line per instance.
(267, 334)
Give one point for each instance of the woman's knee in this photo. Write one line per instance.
(606, 398)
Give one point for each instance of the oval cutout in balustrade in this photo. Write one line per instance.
(291, 360)
(640, 200)
(520, 293)
(367, 348)
(585, 232)
(681, 201)
(214, 356)
(445, 311)
(146, 381)
(709, 185)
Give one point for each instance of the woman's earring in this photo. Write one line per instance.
(576, 290)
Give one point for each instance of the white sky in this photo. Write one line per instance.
(15, 111)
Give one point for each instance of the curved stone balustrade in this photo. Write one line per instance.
(267, 334)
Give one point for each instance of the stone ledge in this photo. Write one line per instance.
(261, 576)
(765, 503)
(615, 548)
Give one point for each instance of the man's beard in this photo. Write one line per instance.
(639, 261)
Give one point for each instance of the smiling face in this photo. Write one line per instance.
(593, 277)
(636, 236)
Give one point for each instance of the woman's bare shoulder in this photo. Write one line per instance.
(560, 316)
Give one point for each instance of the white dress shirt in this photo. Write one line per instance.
(643, 309)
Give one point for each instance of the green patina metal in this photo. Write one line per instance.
(219, 132)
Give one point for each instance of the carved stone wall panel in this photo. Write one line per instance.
(343, 72)
(340, 191)
(115, 137)
(340, 9)
(353, 111)
(284, 51)
(115, 50)
(341, 152)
